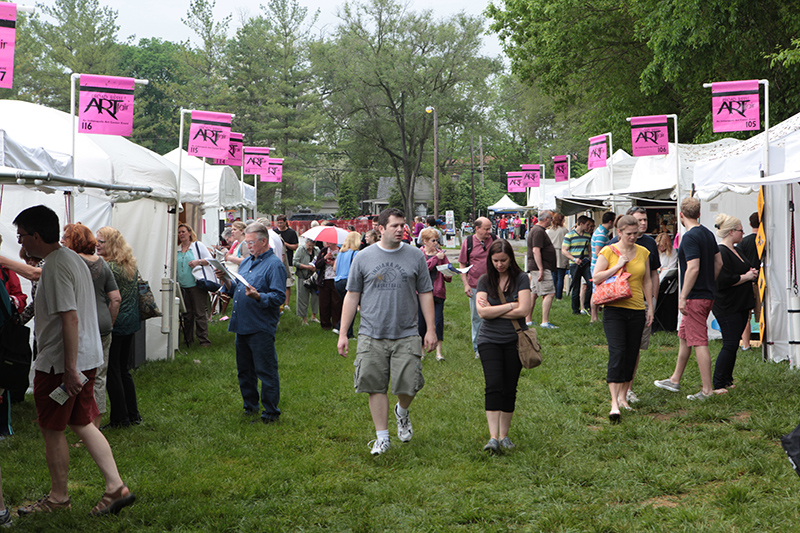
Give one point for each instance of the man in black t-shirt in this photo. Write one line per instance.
(290, 243)
(541, 264)
(699, 262)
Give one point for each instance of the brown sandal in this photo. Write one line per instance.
(112, 503)
(44, 505)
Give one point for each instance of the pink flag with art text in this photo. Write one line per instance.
(234, 155)
(734, 106)
(515, 181)
(105, 105)
(256, 160)
(210, 134)
(532, 175)
(560, 168)
(8, 38)
(274, 171)
(649, 135)
(598, 151)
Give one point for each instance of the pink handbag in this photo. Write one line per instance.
(613, 289)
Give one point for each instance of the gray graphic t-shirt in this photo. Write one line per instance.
(389, 282)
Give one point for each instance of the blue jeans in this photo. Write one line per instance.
(257, 360)
(731, 327)
(577, 272)
(476, 320)
(558, 278)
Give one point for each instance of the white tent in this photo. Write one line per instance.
(39, 137)
(221, 190)
(728, 183)
(505, 205)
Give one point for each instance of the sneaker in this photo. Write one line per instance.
(631, 397)
(699, 396)
(529, 324)
(379, 446)
(315, 319)
(492, 446)
(666, 384)
(335, 331)
(5, 518)
(404, 429)
(548, 325)
(287, 308)
(440, 358)
(477, 355)
(507, 444)
(44, 505)
(584, 312)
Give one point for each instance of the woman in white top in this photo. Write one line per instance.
(556, 234)
(238, 251)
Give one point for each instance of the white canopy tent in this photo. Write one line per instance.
(222, 190)
(39, 137)
(505, 205)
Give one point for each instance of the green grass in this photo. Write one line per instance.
(197, 464)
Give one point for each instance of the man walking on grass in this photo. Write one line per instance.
(576, 248)
(69, 349)
(474, 251)
(541, 264)
(699, 261)
(391, 275)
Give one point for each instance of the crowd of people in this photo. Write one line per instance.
(86, 312)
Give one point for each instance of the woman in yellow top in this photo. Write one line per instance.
(624, 320)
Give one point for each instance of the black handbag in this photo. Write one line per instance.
(15, 351)
(205, 283)
(791, 445)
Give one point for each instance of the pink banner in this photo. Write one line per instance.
(515, 182)
(560, 168)
(734, 106)
(210, 134)
(105, 105)
(8, 37)
(274, 171)
(531, 176)
(256, 159)
(598, 151)
(649, 135)
(234, 155)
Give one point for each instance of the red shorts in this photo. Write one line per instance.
(694, 327)
(79, 410)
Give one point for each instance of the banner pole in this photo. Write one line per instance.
(610, 165)
(569, 174)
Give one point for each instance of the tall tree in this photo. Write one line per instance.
(206, 87)
(385, 65)
(276, 97)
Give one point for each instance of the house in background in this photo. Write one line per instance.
(423, 196)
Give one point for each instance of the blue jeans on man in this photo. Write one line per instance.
(257, 360)
(577, 272)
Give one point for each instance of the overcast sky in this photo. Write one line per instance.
(162, 18)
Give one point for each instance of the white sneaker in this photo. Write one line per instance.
(379, 446)
(631, 397)
(404, 429)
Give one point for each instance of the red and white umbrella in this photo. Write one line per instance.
(326, 234)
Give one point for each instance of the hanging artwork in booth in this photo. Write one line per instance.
(734, 106)
(210, 134)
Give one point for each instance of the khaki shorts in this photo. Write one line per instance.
(544, 287)
(289, 278)
(379, 359)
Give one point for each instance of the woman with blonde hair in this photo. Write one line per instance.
(733, 298)
(80, 240)
(556, 234)
(111, 246)
(191, 255)
(434, 256)
(238, 252)
(669, 260)
(342, 267)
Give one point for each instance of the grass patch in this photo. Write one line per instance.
(198, 464)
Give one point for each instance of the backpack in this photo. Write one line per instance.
(471, 243)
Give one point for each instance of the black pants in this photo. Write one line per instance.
(578, 272)
(501, 369)
(732, 327)
(623, 329)
(330, 305)
(119, 383)
(341, 289)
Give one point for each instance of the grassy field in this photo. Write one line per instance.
(198, 464)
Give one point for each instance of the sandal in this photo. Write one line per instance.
(44, 505)
(112, 503)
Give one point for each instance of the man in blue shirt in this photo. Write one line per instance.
(256, 310)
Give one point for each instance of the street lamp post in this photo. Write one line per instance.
(431, 109)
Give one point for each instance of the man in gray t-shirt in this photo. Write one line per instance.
(388, 279)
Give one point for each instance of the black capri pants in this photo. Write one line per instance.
(623, 328)
(501, 369)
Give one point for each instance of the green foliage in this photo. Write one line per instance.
(205, 88)
(385, 65)
(348, 199)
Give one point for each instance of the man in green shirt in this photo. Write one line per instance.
(576, 247)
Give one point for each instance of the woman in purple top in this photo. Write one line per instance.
(429, 238)
(418, 227)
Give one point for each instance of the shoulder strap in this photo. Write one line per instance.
(470, 244)
(514, 321)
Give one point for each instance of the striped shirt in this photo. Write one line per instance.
(599, 239)
(577, 245)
